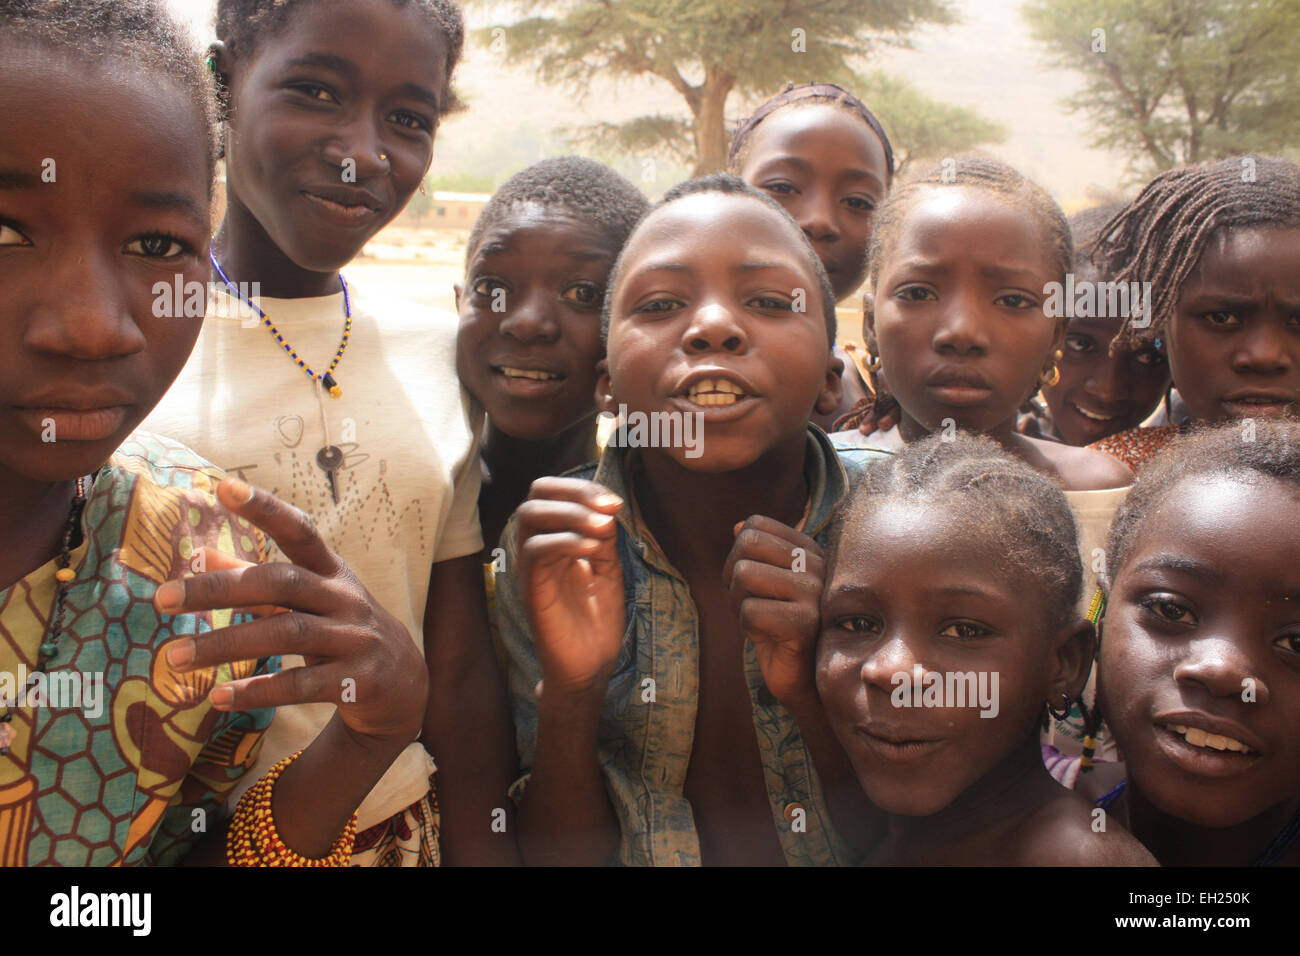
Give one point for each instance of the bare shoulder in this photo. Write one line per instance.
(1083, 469)
(1069, 831)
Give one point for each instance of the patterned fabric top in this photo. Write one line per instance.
(119, 760)
(1137, 446)
(645, 749)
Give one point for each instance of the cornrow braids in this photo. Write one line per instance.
(140, 33)
(1160, 236)
(993, 495)
(810, 94)
(243, 25)
(730, 185)
(1086, 228)
(588, 190)
(971, 171)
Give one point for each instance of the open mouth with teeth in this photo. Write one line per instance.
(1200, 738)
(710, 392)
(531, 374)
(1091, 415)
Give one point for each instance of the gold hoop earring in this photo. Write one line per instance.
(1053, 375)
(873, 362)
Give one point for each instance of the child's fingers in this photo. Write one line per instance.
(290, 527)
(756, 579)
(790, 550)
(768, 621)
(549, 550)
(297, 685)
(304, 634)
(210, 559)
(576, 490)
(281, 585)
(552, 516)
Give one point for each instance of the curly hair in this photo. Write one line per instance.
(588, 190)
(140, 33)
(994, 496)
(242, 25)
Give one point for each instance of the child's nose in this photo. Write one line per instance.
(1265, 348)
(713, 327)
(891, 657)
(529, 320)
(962, 329)
(84, 311)
(358, 151)
(1223, 666)
(1105, 380)
(817, 218)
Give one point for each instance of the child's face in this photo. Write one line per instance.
(1200, 651)
(706, 321)
(529, 338)
(828, 169)
(331, 125)
(1234, 340)
(958, 310)
(1098, 395)
(103, 194)
(912, 590)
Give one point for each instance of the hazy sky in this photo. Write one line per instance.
(987, 62)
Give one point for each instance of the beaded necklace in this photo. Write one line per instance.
(327, 377)
(50, 646)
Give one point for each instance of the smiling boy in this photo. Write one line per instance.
(663, 731)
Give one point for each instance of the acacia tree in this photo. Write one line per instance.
(1169, 82)
(705, 50)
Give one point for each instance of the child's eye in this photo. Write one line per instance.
(157, 247)
(965, 631)
(1149, 357)
(1016, 300)
(1080, 343)
(1289, 642)
(860, 203)
(770, 303)
(586, 294)
(858, 624)
(780, 188)
(409, 120)
(1169, 610)
(486, 286)
(915, 293)
(1222, 320)
(659, 305)
(315, 91)
(9, 236)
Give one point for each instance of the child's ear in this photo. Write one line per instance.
(1073, 651)
(829, 398)
(869, 322)
(604, 388)
(457, 289)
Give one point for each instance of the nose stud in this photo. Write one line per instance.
(383, 156)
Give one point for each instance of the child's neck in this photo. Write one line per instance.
(1005, 434)
(513, 460)
(32, 517)
(692, 514)
(975, 826)
(1176, 842)
(247, 254)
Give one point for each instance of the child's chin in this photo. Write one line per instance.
(910, 800)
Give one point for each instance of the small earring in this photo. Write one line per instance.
(873, 362)
(423, 191)
(1065, 712)
(384, 157)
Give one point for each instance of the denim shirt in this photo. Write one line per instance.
(647, 730)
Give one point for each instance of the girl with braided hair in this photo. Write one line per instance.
(1218, 244)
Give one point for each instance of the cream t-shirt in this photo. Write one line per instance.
(408, 486)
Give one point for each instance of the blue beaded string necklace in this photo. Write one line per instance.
(327, 377)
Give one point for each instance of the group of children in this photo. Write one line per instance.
(1014, 587)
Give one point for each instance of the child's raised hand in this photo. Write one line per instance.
(774, 575)
(572, 581)
(358, 656)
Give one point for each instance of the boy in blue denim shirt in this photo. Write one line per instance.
(658, 722)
